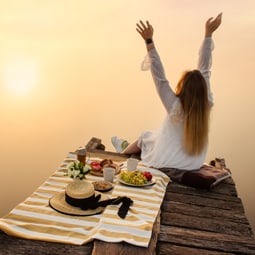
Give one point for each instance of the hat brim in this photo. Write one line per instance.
(58, 203)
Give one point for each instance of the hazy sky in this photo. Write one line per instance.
(70, 70)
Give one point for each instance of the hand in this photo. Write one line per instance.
(212, 24)
(146, 31)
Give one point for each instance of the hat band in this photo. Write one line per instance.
(84, 203)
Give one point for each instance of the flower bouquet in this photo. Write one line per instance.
(77, 170)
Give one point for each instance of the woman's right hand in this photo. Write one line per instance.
(212, 24)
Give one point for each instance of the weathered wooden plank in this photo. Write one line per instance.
(220, 225)
(204, 212)
(204, 240)
(104, 154)
(10, 245)
(194, 200)
(94, 143)
(167, 249)
(221, 191)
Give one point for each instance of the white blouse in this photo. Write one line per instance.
(163, 147)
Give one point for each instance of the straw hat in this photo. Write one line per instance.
(78, 194)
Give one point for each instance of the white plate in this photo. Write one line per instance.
(135, 185)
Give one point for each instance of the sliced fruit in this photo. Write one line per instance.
(95, 165)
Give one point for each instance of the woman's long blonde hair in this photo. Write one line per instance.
(192, 91)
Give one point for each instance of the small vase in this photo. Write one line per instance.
(76, 184)
(78, 180)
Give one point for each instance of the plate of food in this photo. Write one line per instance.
(97, 166)
(136, 178)
(102, 186)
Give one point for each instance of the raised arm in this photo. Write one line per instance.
(153, 62)
(205, 53)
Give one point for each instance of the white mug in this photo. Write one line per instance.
(132, 164)
(109, 173)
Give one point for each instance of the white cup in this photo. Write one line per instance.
(109, 173)
(132, 164)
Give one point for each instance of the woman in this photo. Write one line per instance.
(181, 141)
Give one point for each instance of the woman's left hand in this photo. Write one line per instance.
(146, 31)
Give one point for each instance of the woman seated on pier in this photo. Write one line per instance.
(182, 140)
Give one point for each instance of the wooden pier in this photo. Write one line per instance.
(192, 221)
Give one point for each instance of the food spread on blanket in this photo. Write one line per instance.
(33, 217)
(135, 177)
(97, 167)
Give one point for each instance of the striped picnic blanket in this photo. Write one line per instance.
(35, 219)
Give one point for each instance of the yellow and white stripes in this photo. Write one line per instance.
(35, 219)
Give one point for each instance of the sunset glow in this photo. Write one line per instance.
(20, 75)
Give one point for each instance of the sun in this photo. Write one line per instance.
(20, 75)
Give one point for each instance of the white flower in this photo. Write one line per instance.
(69, 172)
(76, 173)
(77, 170)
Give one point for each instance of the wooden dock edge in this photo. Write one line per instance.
(199, 222)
